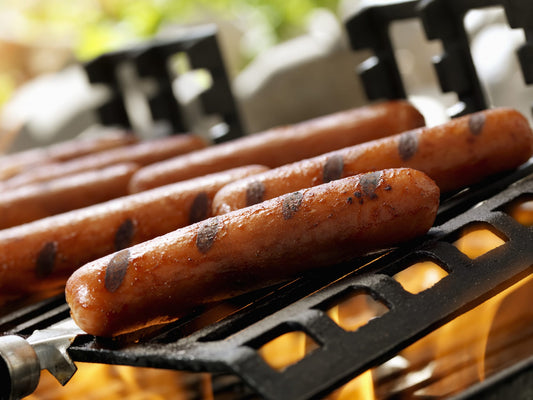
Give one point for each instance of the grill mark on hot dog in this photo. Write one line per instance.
(333, 168)
(407, 145)
(291, 204)
(207, 233)
(116, 270)
(369, 183)
(254, 192)
(199, 208)
(124, 234)
(476, 122)
(44, 264)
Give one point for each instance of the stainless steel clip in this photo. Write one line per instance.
(23, 359)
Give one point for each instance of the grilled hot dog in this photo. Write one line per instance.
(40, 255)
(43, 199)
(141, 153)
(15, 163)
(161, 279)
(286, 144)
(454, 154)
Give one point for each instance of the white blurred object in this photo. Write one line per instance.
(493, 47)
(51, 108)
(302, 78)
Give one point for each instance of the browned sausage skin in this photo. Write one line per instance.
(43, 199)
(159, 280)
(40, 255)
(286, 144)
(142, 153)
(454, 154)
(12, 164)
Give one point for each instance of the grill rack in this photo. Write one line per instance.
(442, 20)
(151, 60)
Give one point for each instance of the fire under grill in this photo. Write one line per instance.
(228, 344)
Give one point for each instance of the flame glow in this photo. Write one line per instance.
(285, 350)
(118, 382)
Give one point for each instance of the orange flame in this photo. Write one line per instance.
(118, 382)
(362, 386)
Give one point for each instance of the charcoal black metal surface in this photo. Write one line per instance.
(369, 29)
(442, 20)
(151, 59)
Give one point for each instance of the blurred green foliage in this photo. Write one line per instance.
(96, 26)
(92, 27)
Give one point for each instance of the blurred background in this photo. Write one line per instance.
(287, 60)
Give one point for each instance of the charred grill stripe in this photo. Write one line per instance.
(333, 168)
(291, 204)
(207, 233)
(476, 122)
(200, 208)
(44, 264)
(255, 191)
(124, 234)
(369, 183)
(116, 270)
(407, 145)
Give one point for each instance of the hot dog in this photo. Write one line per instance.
(286, 144)
(40, 255)
(454, 154)
(15, 163)
(43, 199)
(142, 153)
(161, 279)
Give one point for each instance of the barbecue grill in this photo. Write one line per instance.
(229, 346)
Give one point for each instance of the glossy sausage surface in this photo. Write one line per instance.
(142, 153)
(41, 255)
(161, 279)
(286, 144)
(14, 163)
(43, 199)
(455, 154)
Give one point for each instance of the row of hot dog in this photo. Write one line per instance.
(224, 219)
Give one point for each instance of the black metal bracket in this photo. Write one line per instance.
(442, 20)
(151, 60)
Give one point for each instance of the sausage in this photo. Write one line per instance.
(455, 154)
(285, 144)
(43, 199)
(160, 280)
(142, 153)
(15, 163)
(40, 255)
